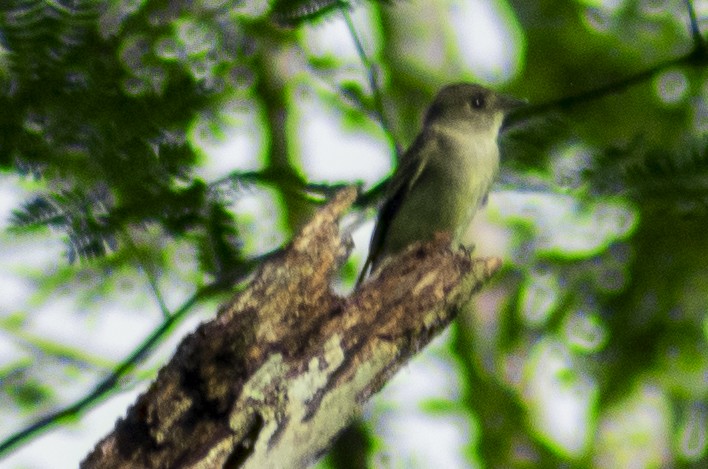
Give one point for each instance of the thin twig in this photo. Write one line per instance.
(152, 280)
(372, 74)
(316, 193)
(108, 383)
(698, 40)
(611, 88)
(50, 348)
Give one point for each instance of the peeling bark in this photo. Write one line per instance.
(287, 364)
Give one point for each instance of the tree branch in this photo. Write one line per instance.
(108, 383)
(372, 73)
(697, 57)
(286, 364)
(698, 41)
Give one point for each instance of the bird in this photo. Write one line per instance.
(445, 175)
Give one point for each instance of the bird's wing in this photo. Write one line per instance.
(404, 179)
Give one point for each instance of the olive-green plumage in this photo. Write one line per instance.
(446, 174)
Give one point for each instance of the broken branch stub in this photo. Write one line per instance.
(287, 364)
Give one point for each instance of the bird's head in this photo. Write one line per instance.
(470, 107)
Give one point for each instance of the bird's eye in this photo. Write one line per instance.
(477, 101)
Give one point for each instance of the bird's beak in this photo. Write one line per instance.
(508, 103)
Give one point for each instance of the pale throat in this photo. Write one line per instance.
(474, 145)
(466, 132)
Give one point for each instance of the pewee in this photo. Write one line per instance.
(445, 176)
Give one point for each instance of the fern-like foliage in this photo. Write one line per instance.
(291, 13)
(97, 97)
(294, 12)
(38, 39)
(101, 115)
(676, 179)
(219, 243)
(84, 217)
(40, 36)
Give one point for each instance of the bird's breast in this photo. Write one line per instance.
(470, 163)
(471, 166)
(456, 177)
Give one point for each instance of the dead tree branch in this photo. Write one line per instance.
(287, 364)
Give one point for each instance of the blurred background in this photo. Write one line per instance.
(152, 153)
